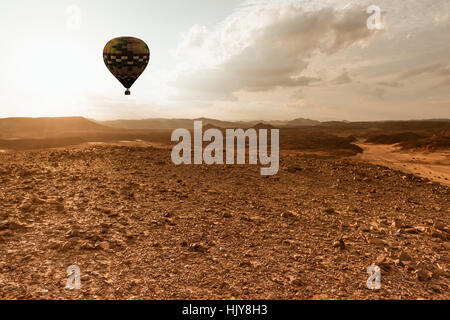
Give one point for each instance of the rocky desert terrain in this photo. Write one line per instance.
(140, 227)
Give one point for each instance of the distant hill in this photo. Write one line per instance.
(434, 124)
(410, 140)
(263, 126)
(297, 134)
(159, 123)
(301, 122)
(149, 124)
(18, 128)
(394, 138)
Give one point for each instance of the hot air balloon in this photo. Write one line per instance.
(126, 58)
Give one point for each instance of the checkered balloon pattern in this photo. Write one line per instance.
(126, 58)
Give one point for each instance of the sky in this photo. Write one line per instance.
(229, 60)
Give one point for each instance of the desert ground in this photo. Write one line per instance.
(140, 227)
(433, 166)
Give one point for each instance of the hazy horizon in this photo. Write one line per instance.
(245, 60)
(224, 120)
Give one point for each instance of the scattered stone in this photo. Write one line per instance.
(404, 258)
(289, 214)
(87, 246)
(339, 244)
(36, 200)
(198, 247)
(26, 205)
(278, 227)
(296, 281)
(4, 224)
(411, 230)
(294, 169)
(104, 245)
(6, 233)
(227, 215)
(72, 233)
(423, 275)
(183, 243)
(378, 242)
(440, 225)
(15, 225)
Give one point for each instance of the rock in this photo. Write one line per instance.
(439, 234)
(436, 289)
(294, 169)
(295, 281)
(198, 247)
(245, 264)
(87, 246)
(36, 200)
(67, 245)
(14, 225)
(398, 223)
(411, 230)
(330, 211)
(423, 275)
(339, 244)
(297, 257)
(26, 206)
(54, 244)
(112, 214)
(72, 233)
(104, 210)
(104, 245)
(289, 214)
(183, 243)
(384, 263)
(421, 229)
(4, 225)
(377, 242)
(227, 215)
(6, 233)
(404, 258)
(439, 225)
(169, 221)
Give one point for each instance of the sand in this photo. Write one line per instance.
(434, 166)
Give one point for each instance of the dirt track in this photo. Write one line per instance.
(141, 228)
(434, 166)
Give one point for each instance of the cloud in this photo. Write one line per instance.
(391, 84)
(445, 72)
(444, 83)
(194, 38)
(434, 68)
(438, 70)
(377, 93)
(266, 48)
(344, 78)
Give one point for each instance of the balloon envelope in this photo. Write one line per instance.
(126, 58)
